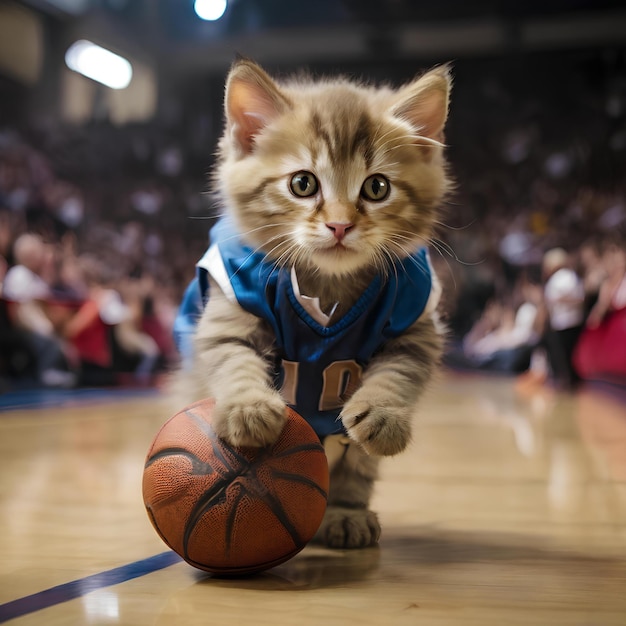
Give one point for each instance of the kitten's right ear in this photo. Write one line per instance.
(424, 102)
(253, 100)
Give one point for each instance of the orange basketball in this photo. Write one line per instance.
(232, 510)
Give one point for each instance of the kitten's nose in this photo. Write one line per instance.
(340, 229)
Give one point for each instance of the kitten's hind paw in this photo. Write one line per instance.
(348, 528)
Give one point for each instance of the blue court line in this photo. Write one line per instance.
(77, 588)
(53, 398)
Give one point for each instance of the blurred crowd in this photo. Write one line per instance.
(533, 244)
(568, 326)
(100, 228)
(91, 270)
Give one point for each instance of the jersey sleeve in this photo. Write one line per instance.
(186, 320)
(244, 275)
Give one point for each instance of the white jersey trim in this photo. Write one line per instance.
(212, 262)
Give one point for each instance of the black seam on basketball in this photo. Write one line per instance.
(230, 520)
(244, 570)
(207, 429)
(297, 478)
(156, 526)
(207, 501)
(204, 504)
(306, 447)
(198, 465)
(275, 506)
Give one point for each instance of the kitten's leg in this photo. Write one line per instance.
(379, 414)
(348, 522)
(232, 364)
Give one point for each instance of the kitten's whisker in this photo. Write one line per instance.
(255, 251)
(430, 142)
(385, 149)
(416, 262)
(210, 215)
(404, 269)
(440, 245)
(253, 230)
(434, 242)
(288, 257)
(407, 145)
(445, 246)
(437, 248)
(277, 263)
(392, 139)
(269, 253)
(380, 260)
(291, 245)
(391, 130)
(389, 253)
(284, 257)
(455, 227)
(415, 140)
(399, 235)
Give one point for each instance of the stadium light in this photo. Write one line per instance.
(99, 64)
(210, 10)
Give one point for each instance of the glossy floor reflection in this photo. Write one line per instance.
(509, 508)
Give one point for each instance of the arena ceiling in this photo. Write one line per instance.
(168, 34)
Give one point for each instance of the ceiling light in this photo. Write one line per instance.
(210, 10)
(99, 64)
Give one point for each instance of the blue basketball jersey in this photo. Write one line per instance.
(318, 366)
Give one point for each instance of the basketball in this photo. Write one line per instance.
(234, 511)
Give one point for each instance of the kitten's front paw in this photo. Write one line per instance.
(257, 421)
(381, 429)
(348, 528)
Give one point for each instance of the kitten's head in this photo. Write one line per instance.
(332, 175)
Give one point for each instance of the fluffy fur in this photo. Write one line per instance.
(337, 239)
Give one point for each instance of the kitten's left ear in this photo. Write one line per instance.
(424, 102)
(253, 100)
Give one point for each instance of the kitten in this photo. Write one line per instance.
(321, 292)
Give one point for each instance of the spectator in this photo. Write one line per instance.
(107, 332)
(592, 273)
(601, 350)
(27, 291)
(3, 270)
(129, 332)
(564, 301)
(503, 339)
(612, 292)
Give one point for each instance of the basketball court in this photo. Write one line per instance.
(509, 508)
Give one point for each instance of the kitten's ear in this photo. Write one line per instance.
(253, 100)
(424, 102)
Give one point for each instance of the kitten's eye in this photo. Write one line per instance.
(303, 184)
(375, 187)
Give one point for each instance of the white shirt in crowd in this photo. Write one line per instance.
(23, 285)
(564, 296)
(27, 289)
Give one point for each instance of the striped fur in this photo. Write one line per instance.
(342, 132)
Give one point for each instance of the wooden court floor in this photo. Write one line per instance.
(509, 508)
